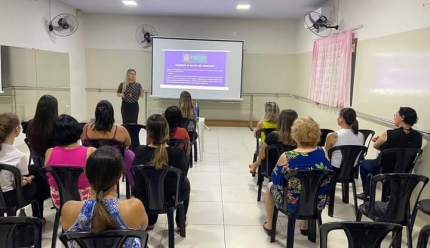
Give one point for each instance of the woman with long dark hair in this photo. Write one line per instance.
(40, 129)
(159, 154)
(348, 135)
(104, 211)
(130, 91)
(104, 128)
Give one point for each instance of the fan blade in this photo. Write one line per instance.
(58, 28)
(71, 28)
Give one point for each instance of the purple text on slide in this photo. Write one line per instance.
(195, 68)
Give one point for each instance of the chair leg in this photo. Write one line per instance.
(354, 192)
(191, 158)
(55, 230)
(312, 230)
(319, 222)
(127, 188)
(274, 220)
(182, 221)
(260, 179)
(359, 215)
(397, 242)
(171, 229)
(409, 233)
(290, 231)
(331, 202)
(345, 192)
(195, 151)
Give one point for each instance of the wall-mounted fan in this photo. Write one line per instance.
(144, 34)
(319, 24)
(64, 25)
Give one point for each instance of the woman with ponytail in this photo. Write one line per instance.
(34, 183)
(159, 154)
(104, 211)
(104, 127)
(348, 135)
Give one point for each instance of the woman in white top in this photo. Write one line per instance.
(34, 184)
(348, 135)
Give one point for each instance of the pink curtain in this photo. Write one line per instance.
(331, 70)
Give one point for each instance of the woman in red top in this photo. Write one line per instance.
(173, 116)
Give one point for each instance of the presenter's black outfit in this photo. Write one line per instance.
(130, 102)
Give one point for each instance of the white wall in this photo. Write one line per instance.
(260, 36)
(22, 25)
(379, 18)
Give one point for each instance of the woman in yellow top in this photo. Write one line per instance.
(270, 119)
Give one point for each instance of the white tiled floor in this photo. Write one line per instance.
(223, 211)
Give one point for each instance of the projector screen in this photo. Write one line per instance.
(208, 69)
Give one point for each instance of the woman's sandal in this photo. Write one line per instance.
(252, 172)
(149, 228)
(268, 231)
(304, 232)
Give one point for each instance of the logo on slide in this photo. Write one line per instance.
(194, 58)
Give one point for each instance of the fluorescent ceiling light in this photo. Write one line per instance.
(129, 3)
(243, 7)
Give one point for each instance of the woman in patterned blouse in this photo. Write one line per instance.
(306, 133)
(130, 91)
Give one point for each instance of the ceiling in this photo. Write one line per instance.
(266, 9)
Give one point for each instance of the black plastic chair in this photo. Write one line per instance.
(97, 143)
(20, 232)
(361, 234)
(258, 133)
(323, 137)
(351, 156)
(149, 183)
(424, 206)
(179, 143)
(423, 237)
(399, 160)
(368, 135)
(18, 189)
(398, 209)
(109, 238)
(134, 131)
(191, 126)
(67, 182)
(307, 209)
(273, 152)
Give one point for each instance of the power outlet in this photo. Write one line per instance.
(67, 109)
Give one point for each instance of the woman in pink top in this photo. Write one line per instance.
(67, 132)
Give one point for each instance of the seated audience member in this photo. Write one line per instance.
(270, 119)
(307, 156)
(159, 154)
(68, 153)
(173, 116)
(348, 135)
(402, 137)
(281, 137)
(40, 129)
(104, 211)
(186, 105)
(104, 127)
(34, 183)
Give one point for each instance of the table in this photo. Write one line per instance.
(201, 132)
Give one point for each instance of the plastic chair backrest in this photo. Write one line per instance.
(149, 185)
(179, 143)
(368, 135)
(15, 232)
(24, 126)
(3, 207)
(360, 234)
(134, 131)
(399, 160)
(423, 237)
(258, 133)
(273, 152)
(67, 182)
(401, 186)
(350, 158)
(191, 126)
(18, 187)
(109, 238)
(323, 136)
(311, 182)
(97, 143)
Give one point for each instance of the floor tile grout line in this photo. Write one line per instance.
(222, 198)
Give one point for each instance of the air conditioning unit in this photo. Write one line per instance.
(328, 12)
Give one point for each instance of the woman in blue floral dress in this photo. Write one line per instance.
(103, 210)
(306, 133)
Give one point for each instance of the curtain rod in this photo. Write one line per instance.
(352, 28)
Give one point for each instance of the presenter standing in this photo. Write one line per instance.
(130, 91)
